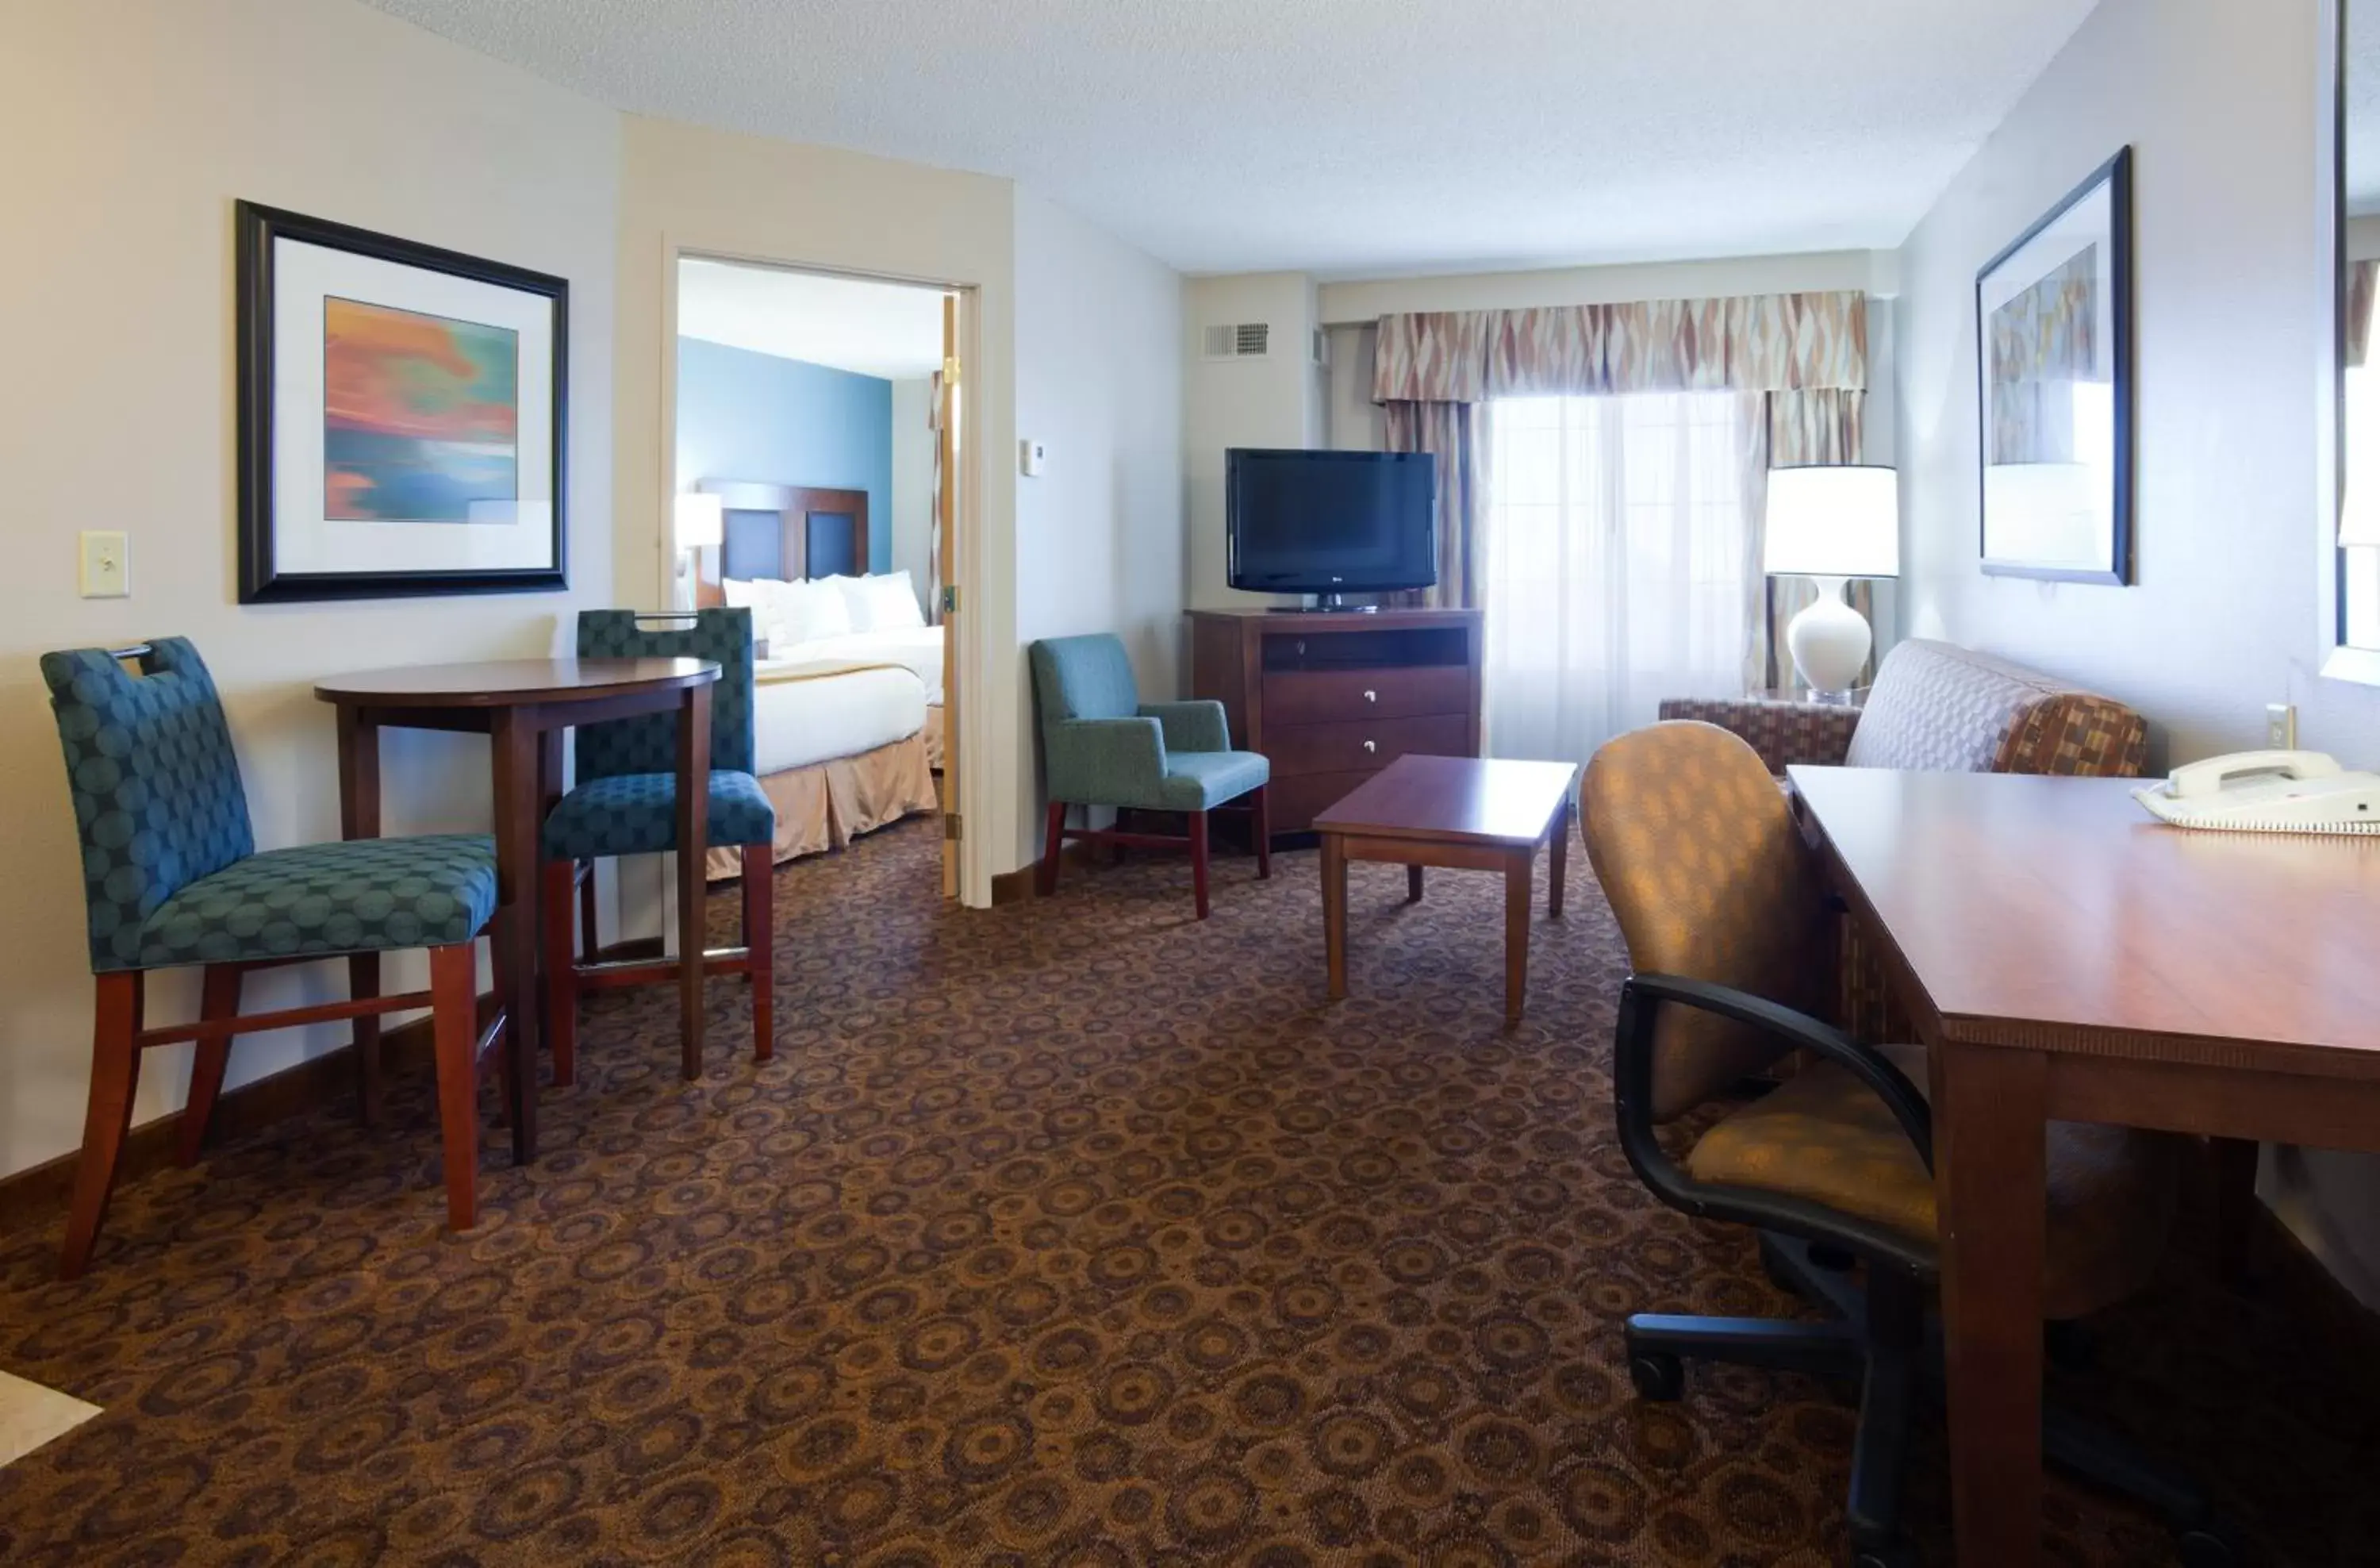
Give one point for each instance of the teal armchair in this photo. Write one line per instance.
(1102, 746)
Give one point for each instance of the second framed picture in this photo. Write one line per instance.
(402, 416)
(2054, 352)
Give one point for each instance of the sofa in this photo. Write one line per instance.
(1939, 708)
(1935, 707)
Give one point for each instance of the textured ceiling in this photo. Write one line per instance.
(871, 329)
(1349, 137)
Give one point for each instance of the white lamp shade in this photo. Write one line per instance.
(2358, 516)
(701, 523)
(1839, 520)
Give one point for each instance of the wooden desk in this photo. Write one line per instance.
(2065, 957)
(1464, 812)
(523, 705)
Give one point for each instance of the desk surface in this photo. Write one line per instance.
(496, 682)
(2056, 914)
(1454, 799)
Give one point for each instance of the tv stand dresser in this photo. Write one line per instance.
(1333, 697)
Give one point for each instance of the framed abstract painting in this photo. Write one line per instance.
(2054, 357)
(402, 416)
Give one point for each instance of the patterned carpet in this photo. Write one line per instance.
(1073, 1233)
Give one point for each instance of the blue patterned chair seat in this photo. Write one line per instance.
(1198, 781)
(637, 814)
(364, 896)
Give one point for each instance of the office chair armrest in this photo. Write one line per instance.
(1641, 999)
(1870, 1067)
(1190, 726)
(1105, 761)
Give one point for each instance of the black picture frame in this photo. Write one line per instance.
(258, 228)
(2115, 176)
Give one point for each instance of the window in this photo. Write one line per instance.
(1616, 564)
(2359, 577)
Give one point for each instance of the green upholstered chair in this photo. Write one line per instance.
(1102, 746)
(624, 802)
(171, 878)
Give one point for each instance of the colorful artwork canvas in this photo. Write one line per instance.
(421, 417)
(2047, 361)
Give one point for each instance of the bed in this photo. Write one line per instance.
(846, 716)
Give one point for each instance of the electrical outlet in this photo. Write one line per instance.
(106, 570)
(2281, 726)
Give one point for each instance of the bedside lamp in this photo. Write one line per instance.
(1832, 522)
(699, 523)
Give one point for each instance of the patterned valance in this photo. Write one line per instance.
(1750, 343)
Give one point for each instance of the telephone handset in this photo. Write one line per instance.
(2280, 792)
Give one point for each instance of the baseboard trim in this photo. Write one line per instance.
(1024, 884)
(35, 1196)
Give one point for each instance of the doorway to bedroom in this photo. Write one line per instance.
(817, 434)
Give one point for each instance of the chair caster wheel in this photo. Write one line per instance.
(1659, 1378)
(2202, 1548)
(1891, 1554)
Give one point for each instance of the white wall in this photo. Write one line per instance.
(134, 125)
(1099, 382)
(913, 483)
(1275, 401)
(2220, 103)
(684, 188)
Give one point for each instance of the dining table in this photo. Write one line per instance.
(2066, 956)
(524, 705)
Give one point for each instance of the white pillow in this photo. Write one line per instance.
(887, 602)
(741, 594)
(804, 612)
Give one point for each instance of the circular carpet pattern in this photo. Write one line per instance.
(1072, 1233)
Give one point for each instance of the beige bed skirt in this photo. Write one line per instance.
(827, 805)
(933, 733)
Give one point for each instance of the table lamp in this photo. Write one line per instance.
(1832, 522)
(699, 524)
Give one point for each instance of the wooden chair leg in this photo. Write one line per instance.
(1259, 807)
(1055, 842)
(115, 1073)
(218, 1000)
(363, 979)
(1198, 860)
(590, 944)
(759, 874)
(454, 1033)
(561, 969)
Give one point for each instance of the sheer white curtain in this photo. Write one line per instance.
(1618, 564)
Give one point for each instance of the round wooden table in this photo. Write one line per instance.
(523, 705)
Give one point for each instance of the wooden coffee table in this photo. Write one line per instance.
(1467, 813)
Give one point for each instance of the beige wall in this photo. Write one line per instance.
(1275, 401)
(686, 188)
(132, 127)
(1098, 381)
(2221, 103)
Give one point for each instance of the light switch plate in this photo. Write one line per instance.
(1032, 457)
(2281, 726)
(106, 570)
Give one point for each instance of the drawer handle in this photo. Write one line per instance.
(1371, 746)
(1371, 696)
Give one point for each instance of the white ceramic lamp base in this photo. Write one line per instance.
(1830, 640)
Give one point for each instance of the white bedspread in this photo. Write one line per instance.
(845, 710)
(919, 650)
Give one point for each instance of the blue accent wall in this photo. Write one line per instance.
(746, 415)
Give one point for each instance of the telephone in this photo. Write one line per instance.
(2272, 792)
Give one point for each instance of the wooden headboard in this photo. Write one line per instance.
(783, 531)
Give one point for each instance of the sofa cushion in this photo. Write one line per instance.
(1943, 708)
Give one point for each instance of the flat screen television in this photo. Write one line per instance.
(1330, 523)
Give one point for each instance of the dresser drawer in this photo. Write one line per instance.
(1323, 696)
(1362, 747)
(1294, 802)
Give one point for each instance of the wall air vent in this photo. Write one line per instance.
(1242, 340)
